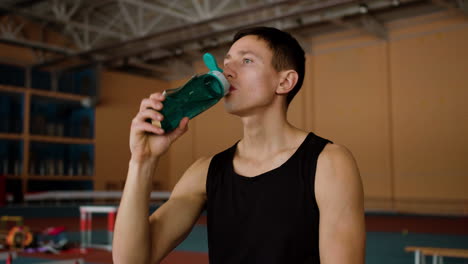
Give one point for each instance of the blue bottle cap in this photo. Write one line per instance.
(210, 62)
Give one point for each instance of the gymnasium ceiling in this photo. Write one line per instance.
(162, 37)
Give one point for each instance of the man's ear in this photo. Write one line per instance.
(288, 80)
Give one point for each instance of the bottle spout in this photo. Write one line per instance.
(210, 62)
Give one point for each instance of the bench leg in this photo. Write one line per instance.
(437, 259)
(417, 257)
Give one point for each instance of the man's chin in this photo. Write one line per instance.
(235, 110)
(230, 109)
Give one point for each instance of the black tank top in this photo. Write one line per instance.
(272, 218)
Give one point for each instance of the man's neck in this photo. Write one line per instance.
(267, 133)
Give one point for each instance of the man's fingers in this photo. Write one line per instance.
(150, 103)
(149, 114)
(147, 127)
(158, 96)
(180, 130)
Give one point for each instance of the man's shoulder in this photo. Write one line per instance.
(335, 163)
(335, 153)
(336, 168)
(337, 173)
(193, 180)
(200, 165)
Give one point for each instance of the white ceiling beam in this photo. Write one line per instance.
(242, 3)
(86, 41)
(149, 27)
(36, 45)
(117, 27)
(207, 7)
(181, 38)
(61, 21)
(198, 8)
(10, 29)
(161, 9)
(277, 13)
(59, 8)
(220, 7)
(128, 19)
(157, 19)
(76, 38)
(157, 53)
(110, 23)
(180, 8)
(141, 14)
(171, 31)
(76, 5)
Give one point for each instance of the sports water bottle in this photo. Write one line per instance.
(197, 95)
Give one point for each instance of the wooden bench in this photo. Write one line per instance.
(437, 254)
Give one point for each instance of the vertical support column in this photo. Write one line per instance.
(28, 81)
(26, 123)
(83, 230)
(89, 219)
(54, 84)
(110, 227)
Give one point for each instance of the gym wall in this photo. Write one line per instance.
(396, 104)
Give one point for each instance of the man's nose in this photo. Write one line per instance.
(229, 73)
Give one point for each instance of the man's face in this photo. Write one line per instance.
(248, 67)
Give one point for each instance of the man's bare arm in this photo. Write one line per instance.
(137, 237)
(172, 222)
(131, 243)
(339, 196)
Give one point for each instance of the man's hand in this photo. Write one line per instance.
(148, 142)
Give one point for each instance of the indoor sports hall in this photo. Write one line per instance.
(386, 79)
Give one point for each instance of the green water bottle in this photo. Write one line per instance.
(194, 97)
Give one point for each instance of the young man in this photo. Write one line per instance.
(279, 195)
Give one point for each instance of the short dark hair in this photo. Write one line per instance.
(287, 52)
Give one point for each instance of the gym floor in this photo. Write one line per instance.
(387, 236)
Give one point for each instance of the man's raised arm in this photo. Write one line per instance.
(139, 238)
